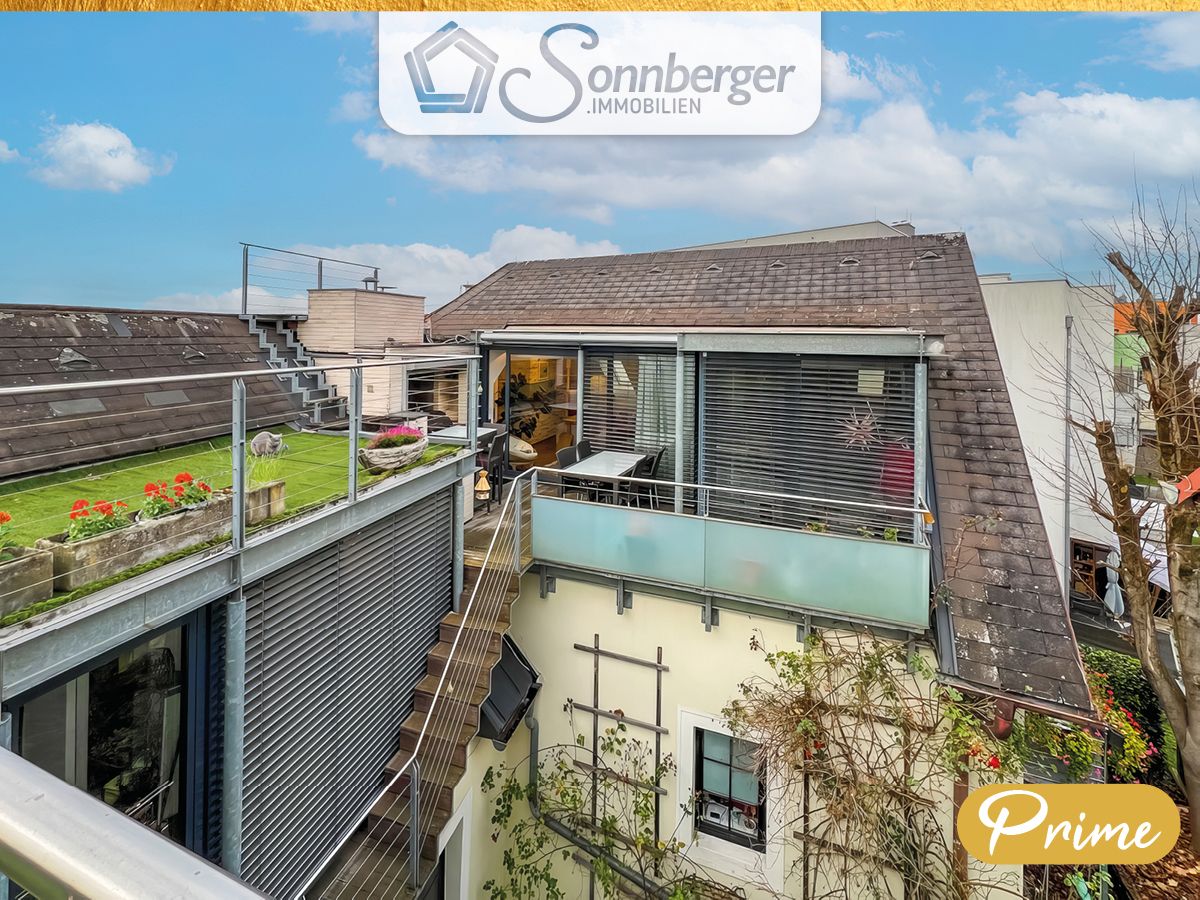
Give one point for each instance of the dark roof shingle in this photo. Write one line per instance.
(75, 346)
(1012, 631)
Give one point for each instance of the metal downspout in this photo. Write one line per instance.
(535, 809)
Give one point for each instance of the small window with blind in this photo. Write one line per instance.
(730, 800)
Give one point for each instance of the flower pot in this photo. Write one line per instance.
(27, 577)
(388, 459)
(77, 563)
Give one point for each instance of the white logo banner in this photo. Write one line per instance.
(646, 73)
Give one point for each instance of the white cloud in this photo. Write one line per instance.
(883, 35)
(356, 106)
(1174, 41)
(438, 273)
(7, 153)
(95, 157)
(341, 22)
(844, 77)
(1023, 185)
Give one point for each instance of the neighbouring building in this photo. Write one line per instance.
(806, 401)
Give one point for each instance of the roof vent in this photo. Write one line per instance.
(602, 271)
(850, 261)
(73, 361)
(778, 264)
(190, 353)
(657, 270)
(927, 256)
(555, 274)
(713, 268)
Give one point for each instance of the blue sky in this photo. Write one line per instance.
(136, 150)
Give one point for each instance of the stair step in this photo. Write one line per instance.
(439, 654)
(388, 827)
(453, 775)
(427, 687)
(471, 574)
(443, 792)
(372, 869)
(473, 633)
(435, 745)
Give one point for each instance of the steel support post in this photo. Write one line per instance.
(920, 446)
(354, 404)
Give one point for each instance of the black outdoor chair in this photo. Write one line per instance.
(584, 448)
(495, 469)
(635, 491)
(565, 457)
(438, 421)
(648, 468)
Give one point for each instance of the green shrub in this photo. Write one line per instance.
(1132, 690)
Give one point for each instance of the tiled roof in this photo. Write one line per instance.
(77, 346)
(1012, 632)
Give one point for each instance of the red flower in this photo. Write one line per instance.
(179, 490)
(79, 514)
(79, 504)
(183, 478)
(104, 507)
(203, 486)
(121, 504)
(5, 518)
(993, 762)
(151, 489)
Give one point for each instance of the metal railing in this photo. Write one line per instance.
(59, 841)
(394, 858)
(876, 520)
(275, 283)
(109, 460)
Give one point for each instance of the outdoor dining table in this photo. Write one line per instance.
(605, 464)
(459, 433)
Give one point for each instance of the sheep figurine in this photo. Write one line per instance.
(267, 444)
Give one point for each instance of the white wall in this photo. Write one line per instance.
(1029, 325)
(706, 669)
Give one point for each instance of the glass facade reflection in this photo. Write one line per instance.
(117, 732)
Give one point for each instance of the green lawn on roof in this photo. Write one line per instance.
(314, 468)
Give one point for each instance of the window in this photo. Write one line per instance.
(730, 801)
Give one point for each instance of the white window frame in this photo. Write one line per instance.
(709, 851)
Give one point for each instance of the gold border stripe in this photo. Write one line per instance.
(598, 5)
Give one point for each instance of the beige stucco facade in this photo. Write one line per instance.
(705, 671)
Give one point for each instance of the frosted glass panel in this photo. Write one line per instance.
(716, 746)
(716, 778)
(745, 787)
(872, 580)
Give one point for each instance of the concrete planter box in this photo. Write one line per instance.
(266, 501)
(25, 579)
(78, 563)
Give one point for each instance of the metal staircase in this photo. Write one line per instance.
(392, 850)
(318, 397)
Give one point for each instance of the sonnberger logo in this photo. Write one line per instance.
(600, 73)
(450, 36)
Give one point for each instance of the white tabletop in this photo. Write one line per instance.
(459, 433)
(606, 463)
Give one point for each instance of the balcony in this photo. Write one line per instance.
(112, 479)
(842, 566)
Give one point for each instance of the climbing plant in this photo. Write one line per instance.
(606, 801)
